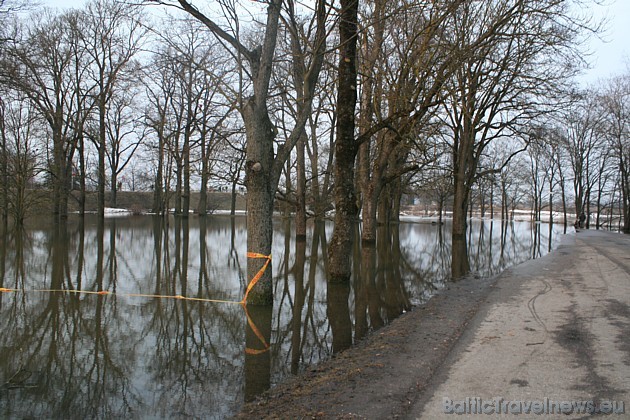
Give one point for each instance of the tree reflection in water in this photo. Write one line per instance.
(88, 355)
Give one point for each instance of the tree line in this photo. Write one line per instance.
(348, 105)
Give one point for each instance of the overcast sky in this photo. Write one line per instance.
(609, 58)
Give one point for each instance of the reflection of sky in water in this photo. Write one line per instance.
(121, 356)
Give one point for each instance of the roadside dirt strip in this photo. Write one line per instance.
(550, 330)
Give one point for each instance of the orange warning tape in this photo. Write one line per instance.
(106, 293)
(258, 275)
(250, 286)
(258, 334)
(255, 352)
(243, 302)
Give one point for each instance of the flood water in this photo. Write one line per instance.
(69, 354)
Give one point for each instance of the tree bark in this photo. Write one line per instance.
(260, 194)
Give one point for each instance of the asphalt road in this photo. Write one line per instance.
(551, 340)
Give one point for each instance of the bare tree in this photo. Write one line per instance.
(263, 169)
(228, 163)
(84, 101)
(21, 131)
(39, 64)
(160, 91)
(404, 69)
(112, 35)
(616, 106)
(581, 127)
(123, 136)
(321, 153)
(305, 75)
(514, 55)
(212, 135)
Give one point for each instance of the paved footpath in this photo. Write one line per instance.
(559, 332)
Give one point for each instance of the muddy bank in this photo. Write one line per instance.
(383, 374)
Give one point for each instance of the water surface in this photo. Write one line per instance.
(131, 354)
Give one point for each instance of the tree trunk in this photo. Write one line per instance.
(82, 175)
(396, 199)
(233, 199)
(300, 190)
(202, 205)
(492, 201)
(114, 188)
(257, 354)
(625, 196)
(100, 200)
(460, 209)
(4, 200)
(368, 214)
(260, 194)
(59, 176)
(374, 188)
(340, 250)
(186, 177)
(286, 208)
(462, 169)
(158, 207)
(460, 265)
(298, 303)
(315, 190)
(178, 186)
(599, 207)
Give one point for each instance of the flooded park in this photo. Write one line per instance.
(328, 113)
(139, 317)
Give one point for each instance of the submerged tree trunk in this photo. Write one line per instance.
(257, 355)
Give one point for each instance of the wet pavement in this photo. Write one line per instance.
(551, 340)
